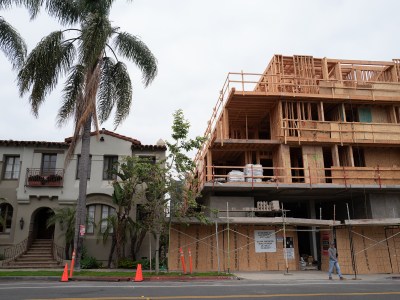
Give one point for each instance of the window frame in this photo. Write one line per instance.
(13, 165)
(50, 170)
(108, 162)
(152, 159)
(91, 218)
(5, 226)
(106, 211)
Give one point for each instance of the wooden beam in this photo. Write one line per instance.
(209, 165)
(324, 66)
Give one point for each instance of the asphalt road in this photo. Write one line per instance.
(231, 289)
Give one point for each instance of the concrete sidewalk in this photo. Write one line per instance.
(278, 276)
(310, 276)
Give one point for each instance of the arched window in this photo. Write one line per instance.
(98, 213)
(90, 218)
(6, 213)
(106, 211)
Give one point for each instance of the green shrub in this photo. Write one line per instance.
(127, 263)
(89, 262)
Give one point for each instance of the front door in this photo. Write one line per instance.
(40, 224)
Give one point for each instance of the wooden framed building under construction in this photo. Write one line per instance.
(305, 153)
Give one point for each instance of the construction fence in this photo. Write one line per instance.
(229, 248)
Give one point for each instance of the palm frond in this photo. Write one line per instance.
(96, 30)
(12, 44)
(49, 59)
(123, 92)
(106, 93)
(66, 11)
(135, 50)
(95, 7)
(73, 92)
(33, 6)
(6, 3)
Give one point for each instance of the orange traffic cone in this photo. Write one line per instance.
(64, 276)
(139, 275)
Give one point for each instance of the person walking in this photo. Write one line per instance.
(333, 262)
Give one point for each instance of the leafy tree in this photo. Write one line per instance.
(127, 190)
(181, 179)
(164, 182)
(97, 81)
(66, 218)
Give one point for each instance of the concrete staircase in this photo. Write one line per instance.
(38, 256)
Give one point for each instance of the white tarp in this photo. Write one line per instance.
(265, 241)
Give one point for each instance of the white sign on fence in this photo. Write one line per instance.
(288, 253)
(265, 241)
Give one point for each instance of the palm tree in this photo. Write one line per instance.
(66, 218)
(11, 43)
(97, 81)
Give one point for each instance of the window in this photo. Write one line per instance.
(90, 218)
(6, 212)
(12, 167)
(110, 163)
(364, 114)
(106, 211)
(48, 164)
(90, 166)
(358, 156)
(148, 158)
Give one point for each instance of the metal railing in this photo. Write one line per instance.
(16, 251)
(58, 252)
(44, 177)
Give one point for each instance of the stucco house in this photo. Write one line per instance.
(34, 183)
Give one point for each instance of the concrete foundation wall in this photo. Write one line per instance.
(385, 205)
(234, 203)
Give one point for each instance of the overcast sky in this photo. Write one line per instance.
(196, 44)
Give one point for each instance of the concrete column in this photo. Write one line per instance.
(313, 233)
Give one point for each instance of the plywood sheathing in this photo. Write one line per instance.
(282, 158)
(313, 160)
(202, 241)
(373, 254)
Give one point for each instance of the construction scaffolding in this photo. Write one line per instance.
(307, 131)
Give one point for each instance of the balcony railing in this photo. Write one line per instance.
(44, 177)
(347, 176)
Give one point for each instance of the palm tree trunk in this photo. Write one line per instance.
(157, 253)
(66, 251)
(113, 242)
(81, 205)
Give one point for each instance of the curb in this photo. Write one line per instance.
(153, 278)
(120, 279)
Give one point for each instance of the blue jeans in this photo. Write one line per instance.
(334, 263)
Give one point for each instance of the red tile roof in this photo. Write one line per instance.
(110, 133)
(34, 143)
(136, 144)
